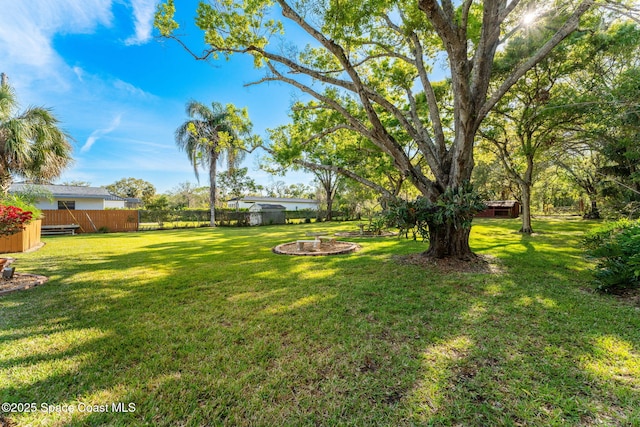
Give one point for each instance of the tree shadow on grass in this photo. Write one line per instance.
(203, 330)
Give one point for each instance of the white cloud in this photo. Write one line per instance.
(143, 12)
(27, 28)
(79, 72)
(130, 90)
(99, 133)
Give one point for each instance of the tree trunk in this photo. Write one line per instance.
(212, 188)
(525, 187)
(526, 208)
(449, 240)
(594, 213)
(329, 217)
(5, 182)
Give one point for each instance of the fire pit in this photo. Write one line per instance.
(316, 248)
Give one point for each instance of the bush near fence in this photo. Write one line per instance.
(118, 220)
(93, 221)
(306, 215)
(187, 218)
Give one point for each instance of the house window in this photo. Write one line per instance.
(71, 205)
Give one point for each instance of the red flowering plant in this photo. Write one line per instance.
(13, 219)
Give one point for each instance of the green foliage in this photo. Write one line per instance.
(12, 220)
(164, 18)
(377, 224)
(208, 327)
(76, 183)
(189, 196)
(410, 216)
(455, 206)
(236, 183)
(133, 187)
(158, 210)
(25, 201)
(213, 133)
(616, 247)
(613, 127)
(32, 145)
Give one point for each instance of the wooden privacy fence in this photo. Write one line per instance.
(93, 221)
(23, 240)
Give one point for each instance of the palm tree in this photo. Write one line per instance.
(212, 134)
(31, 143)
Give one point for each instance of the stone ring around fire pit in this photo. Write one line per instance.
(316, 248)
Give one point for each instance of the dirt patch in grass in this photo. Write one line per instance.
(479, 264)
(20, 282)
(629, 296)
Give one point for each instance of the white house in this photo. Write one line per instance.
(290, 204)
(53, 197)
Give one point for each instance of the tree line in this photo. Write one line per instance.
(524, 85)
(375, 111)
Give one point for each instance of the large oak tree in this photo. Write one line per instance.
(380, 55)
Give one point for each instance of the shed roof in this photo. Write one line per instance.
(501, 203)
(268, 207)
(79, 192)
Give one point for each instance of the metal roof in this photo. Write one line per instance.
(268, 207)
(72, 191)
(501, 203)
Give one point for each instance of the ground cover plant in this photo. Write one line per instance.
(209, 327)
(616, 248)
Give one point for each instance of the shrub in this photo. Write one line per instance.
(377, 224)
(13, 219)
(616, 249)
(24, 201)
(456, 206)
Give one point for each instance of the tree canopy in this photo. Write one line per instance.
(212, 134)
(373, 62)
(133, 188)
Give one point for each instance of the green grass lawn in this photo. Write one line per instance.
(208, 327)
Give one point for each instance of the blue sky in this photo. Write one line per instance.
(120, 92)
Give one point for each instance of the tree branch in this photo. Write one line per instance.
(569, 26)
(346, 173)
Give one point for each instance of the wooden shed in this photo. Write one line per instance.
(266, 214)
(500, 209)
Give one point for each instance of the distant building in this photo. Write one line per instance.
(54, 197)
(265, 214)
(290, 204)
(500, 209)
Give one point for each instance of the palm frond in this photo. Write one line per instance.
(31, 144)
